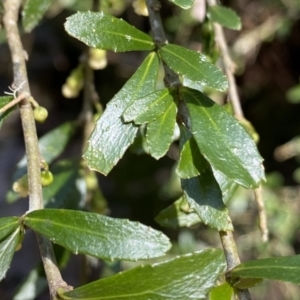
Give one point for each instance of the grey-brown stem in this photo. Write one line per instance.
(232, 260)
(171, 79)
(10, 20)
(228, 67)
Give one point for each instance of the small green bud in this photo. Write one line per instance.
(46, 177)
(40, 114)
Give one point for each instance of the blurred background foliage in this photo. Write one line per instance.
(266, 53)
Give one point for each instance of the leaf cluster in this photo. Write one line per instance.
(216, 155)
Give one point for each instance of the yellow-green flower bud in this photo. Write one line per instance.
(140, 8)
(97, 59)
(74, 83)
(21, 186)
(40, 114)
(46, 177)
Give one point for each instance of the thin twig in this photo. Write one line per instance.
(263, 223)
(230, 250)
(90, 95)
(288, 150)
(12, 103)
(10, 19)
(227, 240)
(229, 67)
(232, 260)
(159, 37)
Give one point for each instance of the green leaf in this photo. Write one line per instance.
(178, 214)
(148, 108)
(112, 136)
(203, 193)
(49, 147)
(3, 101)
(98, 235)
(103, 31)
(189, 276)
(224, 16)
(7, 250)
(191, 162)
(33, 13)
(223, 141)
(285, 268)
(7, 226)
(185, 4)
(223, 291)
(64, 190)
(160, 132)
(194, 66)
(205, 198)
(228, 187)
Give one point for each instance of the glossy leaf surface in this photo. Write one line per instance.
(223, 291)
(224, 16)
(33, 12)
(148, 108)
(205, 198)
(202, 192)
(160, 132)
(7, 226)
(178, 214)
(191, 162)
(285, 268)
(7, 250)
(103, 31)
(3, 101)
(185, 4)
(112, 136)
(98, 235)
(227, 186)
(223, 141)
(186, 277)
(194, 66)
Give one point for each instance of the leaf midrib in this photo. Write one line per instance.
(181, 58)
(129, 40)
(66, 227)
(221, 137)
(268, 266)
(146, 109)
